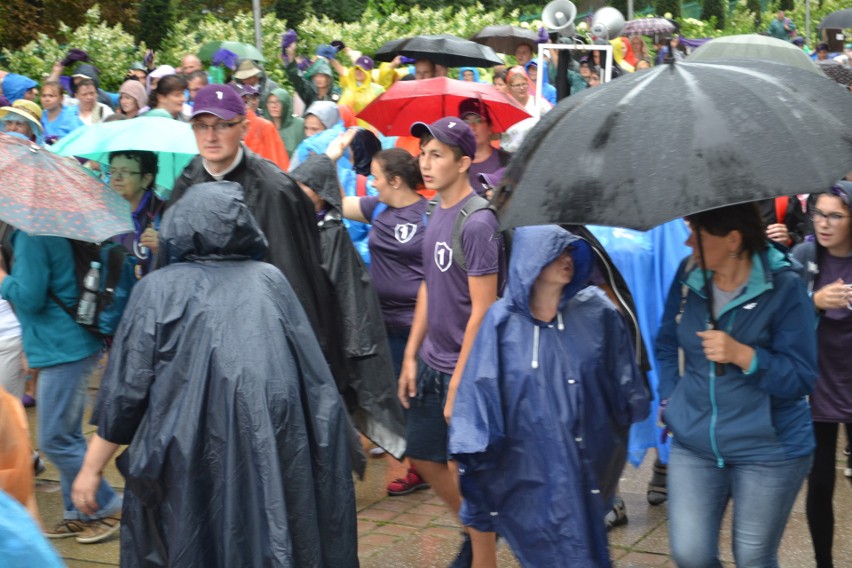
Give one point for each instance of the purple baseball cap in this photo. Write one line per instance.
(218, 100)
(365, 63)
(450, 130)
(492, 179)
(244, 89)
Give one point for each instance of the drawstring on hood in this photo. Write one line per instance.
(533, 248)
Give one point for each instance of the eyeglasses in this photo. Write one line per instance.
(472, 119)
(830, 218)
(218, 128)
(523, 85)
(121, 174)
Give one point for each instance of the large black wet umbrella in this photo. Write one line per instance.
(678, 139)
(839, 20)
(505, 39)
(444, 49)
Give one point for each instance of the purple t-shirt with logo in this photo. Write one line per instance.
(491, 164)
(446, 283)
(396, 252)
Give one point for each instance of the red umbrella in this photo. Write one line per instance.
(427, 100)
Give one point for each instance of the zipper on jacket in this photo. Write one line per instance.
(714, 416)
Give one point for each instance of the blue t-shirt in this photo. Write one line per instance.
(66, 122)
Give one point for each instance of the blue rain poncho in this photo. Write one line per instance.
(539, 426)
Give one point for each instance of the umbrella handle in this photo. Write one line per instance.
(719, 369)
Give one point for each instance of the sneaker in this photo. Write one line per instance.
(38, 464)
(464, 559)
(66, 528)
(99, 530)
(408, 484)
(618, 515)
(657, 493)
(848, 471)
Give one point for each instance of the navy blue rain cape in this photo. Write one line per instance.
(540, 421)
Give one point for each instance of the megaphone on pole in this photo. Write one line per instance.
(607, 23)
(558, 16)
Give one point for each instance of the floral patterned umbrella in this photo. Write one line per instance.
(45, 194)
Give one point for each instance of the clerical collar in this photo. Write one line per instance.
(221, 175)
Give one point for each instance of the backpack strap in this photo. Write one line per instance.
(474, 204)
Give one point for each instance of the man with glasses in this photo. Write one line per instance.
(283, 211)
(487, 160)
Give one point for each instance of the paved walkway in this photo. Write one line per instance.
(418, 531)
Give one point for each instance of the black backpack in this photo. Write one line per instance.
(474, 204)
(117, 277)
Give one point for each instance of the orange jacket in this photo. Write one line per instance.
(263, 139)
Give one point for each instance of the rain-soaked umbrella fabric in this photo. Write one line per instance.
(237, 435)
(406, 102)
(754, 46)
(679, 139)
(444, 49)
(46, 194)
(839, 20)
(172, 141)
(243, 50)
(648, 27)
(505, 39)
(835, 71)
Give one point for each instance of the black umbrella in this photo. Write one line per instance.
(444, 49)
(679, 139)
(839, 20)
(505, 39)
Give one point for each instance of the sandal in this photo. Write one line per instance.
(657, 493)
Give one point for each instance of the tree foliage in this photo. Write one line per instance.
(155, 22)
(664, 7)
(715, 11)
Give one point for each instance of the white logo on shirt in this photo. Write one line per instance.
(443, 256)
(404, 232)
(750, 306)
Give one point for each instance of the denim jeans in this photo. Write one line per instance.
(699, 491)
(61, 400)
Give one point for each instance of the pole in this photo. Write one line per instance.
(629, 10)
(255, 5)
(807, 22)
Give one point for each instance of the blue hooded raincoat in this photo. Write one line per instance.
(541, 415)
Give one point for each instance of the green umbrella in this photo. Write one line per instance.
(172, 141)
(243, 50)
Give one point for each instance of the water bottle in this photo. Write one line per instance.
(87, 307)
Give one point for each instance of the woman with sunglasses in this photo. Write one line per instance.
(828, 275)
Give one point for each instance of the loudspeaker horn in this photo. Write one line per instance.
(607, 23)
(558, 16)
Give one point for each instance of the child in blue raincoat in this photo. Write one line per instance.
(541, 415)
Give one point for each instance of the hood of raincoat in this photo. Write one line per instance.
(542, 68)
(533, 248)
(364, 146)
(319, 173)
(15, 86)
(286, 101)
(325, 111)
(320, 67)
(473, 69)
(211, 222)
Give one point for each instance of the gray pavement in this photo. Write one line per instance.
(418, 531)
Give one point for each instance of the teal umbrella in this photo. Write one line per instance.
(172, 141)
(243, 50)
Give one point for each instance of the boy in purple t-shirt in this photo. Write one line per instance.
(451, 303)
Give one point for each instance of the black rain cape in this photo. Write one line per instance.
(237, 435)
(285, 216)
(371, 394)
(541, 416)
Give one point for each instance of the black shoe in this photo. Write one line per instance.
(38, 464)
(465, 556)
(618, 515)
(657, 493)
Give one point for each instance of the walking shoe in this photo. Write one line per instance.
(99, 530)
(38, 464)
(657, 493)
(618, 515)
(408, 484)
(464, 559)
(68, 527)
(848, 471)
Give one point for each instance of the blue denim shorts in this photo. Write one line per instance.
(425, 427)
